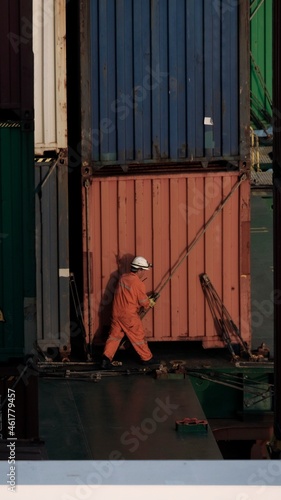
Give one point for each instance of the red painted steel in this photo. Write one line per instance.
(159, 216)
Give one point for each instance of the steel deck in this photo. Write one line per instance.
(122, 418)
(84, 420)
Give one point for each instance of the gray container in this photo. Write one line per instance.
(164, 81)
(52, 255)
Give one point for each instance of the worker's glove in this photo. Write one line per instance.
(152, 298)
(151, 302)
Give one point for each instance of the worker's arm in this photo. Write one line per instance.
(143, 299)
(149, 301)
(145, 302)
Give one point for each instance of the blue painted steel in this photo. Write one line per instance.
(230, 86)
(124, 114)
(195, 84)
(159, 92)
(164, 80)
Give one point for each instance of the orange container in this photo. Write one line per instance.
(168, 218)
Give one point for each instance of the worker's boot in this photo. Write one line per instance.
(106, 363)
(149, 362)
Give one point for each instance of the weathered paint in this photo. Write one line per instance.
(165, 80)
(17, 241)
(16, 59)
(159, 217)
(49, 46)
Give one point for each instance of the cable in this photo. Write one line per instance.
(203, 230)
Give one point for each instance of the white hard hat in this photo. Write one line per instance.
(140, 263)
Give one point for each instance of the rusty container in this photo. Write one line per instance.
(200, 220)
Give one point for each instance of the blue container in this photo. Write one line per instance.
(168, 81)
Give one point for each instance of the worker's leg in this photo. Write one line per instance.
(115, 336)
(135, 334)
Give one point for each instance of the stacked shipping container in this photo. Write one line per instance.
(166, 85)
(165, 93)
(160, 216)
(17, 226)
(17, 234)
(51, 174)
(164, 82)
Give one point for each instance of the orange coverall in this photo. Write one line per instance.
(129, 297)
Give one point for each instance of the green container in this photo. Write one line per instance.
(261, 63)
(17, 241)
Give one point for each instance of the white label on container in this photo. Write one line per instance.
(208, 120)
(64, 273)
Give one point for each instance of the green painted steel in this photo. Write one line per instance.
(227, 393)
(261, 63)
(17, 239)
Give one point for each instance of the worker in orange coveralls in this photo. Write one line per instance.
(129, 298)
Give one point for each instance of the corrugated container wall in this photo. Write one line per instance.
(17, 241)
(16, 60)
(261, 63)
(164, 81)
(160, 217)
(49, 47)
(52, 254)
